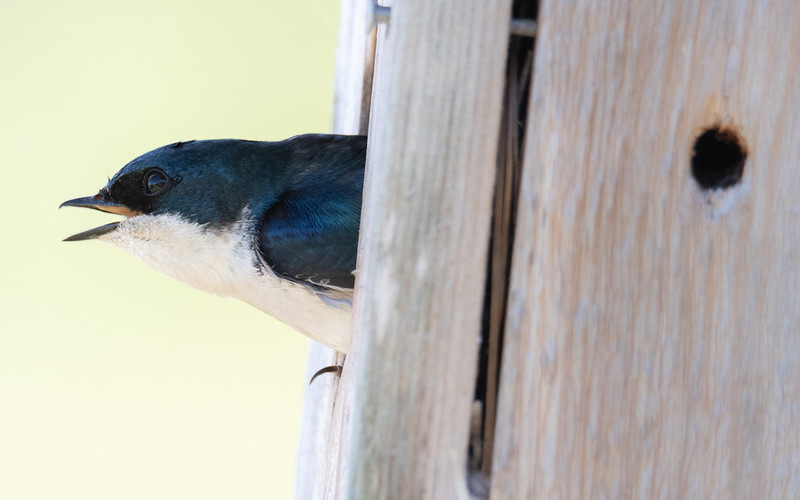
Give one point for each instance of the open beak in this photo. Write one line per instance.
(101, 202)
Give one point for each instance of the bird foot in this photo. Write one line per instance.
(337, 369)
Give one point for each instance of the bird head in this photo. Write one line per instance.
(193, 181)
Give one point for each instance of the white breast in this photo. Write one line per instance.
(225, 262)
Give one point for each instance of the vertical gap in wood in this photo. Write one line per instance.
(509, 167)
(369, 72)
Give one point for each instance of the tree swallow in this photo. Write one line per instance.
(274, 224)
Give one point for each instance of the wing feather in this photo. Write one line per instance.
(310, 234)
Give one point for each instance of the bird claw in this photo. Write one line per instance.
(337, 369)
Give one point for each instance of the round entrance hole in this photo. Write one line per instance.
(718, 158)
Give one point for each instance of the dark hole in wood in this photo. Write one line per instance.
(718, 158)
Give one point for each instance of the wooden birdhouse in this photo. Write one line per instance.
(579, 268)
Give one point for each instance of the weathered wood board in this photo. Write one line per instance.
(652, 345)
(432, 152)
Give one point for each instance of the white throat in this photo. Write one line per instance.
(225, 262)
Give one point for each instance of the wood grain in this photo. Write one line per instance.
(652, 347)
(425, 225)
(354, 66)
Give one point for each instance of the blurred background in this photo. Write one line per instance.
(117, 382)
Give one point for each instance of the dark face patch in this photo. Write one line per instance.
(141, 189)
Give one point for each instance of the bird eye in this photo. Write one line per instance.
(155, 181)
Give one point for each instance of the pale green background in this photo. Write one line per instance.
(116, 382)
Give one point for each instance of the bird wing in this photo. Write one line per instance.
(310, 235)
